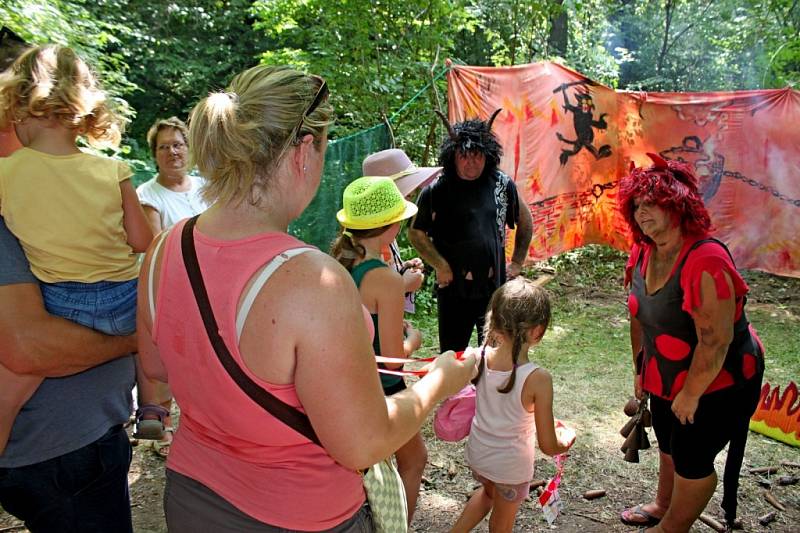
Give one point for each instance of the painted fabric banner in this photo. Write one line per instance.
(567, 140)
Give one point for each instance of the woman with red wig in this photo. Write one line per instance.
(694, 352)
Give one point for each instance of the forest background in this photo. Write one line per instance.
(158, 58)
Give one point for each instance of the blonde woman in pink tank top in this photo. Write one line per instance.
(514, 403)
(297, 330)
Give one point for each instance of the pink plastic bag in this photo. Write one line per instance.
(453, 419)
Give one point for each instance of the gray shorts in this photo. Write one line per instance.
(510, 493)
(191, 507)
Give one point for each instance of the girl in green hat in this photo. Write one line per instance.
(373, 209)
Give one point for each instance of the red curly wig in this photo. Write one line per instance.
(671, 185)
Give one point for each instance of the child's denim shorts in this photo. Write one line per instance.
(106, 306)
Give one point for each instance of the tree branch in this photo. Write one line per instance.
(689, 26)
(668, 6)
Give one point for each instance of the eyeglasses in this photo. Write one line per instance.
(177, 146)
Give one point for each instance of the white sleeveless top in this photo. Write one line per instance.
(502, 440)
(172, 206)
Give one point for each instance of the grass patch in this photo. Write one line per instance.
(587, 350)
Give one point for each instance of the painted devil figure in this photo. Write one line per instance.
(583, 120)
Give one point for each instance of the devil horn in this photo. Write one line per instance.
(491, 119)
(658, 161)
(450, 131)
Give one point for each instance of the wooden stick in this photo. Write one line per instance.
(586, 516)
(594, 494)
(536, 483)
(773, 501)
(18, 527)
(713, 523)
(790, 464)
(788, 480)
(769, 470)
(768, 518)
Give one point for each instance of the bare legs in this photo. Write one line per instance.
(411, 459)
(480, 503)
(689, 498)
(666, 481)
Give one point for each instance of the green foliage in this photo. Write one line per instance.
(374, 55)
(70, 23)
(162, 56)
(698, 46)
(178, 52)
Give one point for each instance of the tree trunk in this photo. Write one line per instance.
(669, 6)
(557, 40)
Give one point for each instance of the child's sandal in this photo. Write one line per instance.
(162, 447)
(150, 428)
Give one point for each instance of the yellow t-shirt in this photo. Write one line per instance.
(66, 212)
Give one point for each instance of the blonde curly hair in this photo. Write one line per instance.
(51, 81)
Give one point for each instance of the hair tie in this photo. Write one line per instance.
(348, 234)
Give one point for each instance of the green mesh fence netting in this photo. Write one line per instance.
(317, 225)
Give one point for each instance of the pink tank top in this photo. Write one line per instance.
(502, 440)
(226, 441)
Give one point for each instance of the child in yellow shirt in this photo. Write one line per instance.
(75, 214)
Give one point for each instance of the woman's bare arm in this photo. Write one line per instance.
(713, 320)
(312, 313)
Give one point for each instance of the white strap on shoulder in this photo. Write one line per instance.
(150, 275)
(262, 277)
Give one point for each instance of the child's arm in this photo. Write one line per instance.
(412, 340)
(537, 396)
(139, 232)
(387, 287)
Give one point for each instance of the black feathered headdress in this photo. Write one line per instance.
(472, 135)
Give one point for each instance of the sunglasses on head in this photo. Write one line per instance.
(322, 94)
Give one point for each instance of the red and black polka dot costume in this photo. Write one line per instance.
(669, 335)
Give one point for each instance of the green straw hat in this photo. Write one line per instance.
(372, 202)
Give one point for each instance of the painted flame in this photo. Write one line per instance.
(778, 415)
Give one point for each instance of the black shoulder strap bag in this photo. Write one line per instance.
(282, 411)
(382, 483)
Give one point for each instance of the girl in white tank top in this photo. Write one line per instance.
(514, 403)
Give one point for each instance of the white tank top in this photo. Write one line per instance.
(502, 440)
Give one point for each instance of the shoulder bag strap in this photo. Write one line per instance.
(284, 412)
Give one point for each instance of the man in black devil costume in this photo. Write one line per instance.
(460, 228)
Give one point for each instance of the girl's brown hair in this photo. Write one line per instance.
(347, 250)
(516, 307)
(51, 81)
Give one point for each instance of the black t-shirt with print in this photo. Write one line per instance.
(466, 221)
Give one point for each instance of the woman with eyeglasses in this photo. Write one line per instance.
(172, 194)
(287, 319)
(167, 198)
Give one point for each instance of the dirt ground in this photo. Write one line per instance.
(595, 463)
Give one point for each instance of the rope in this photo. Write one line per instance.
(419, 93)
(396, 113)
(356, 134)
